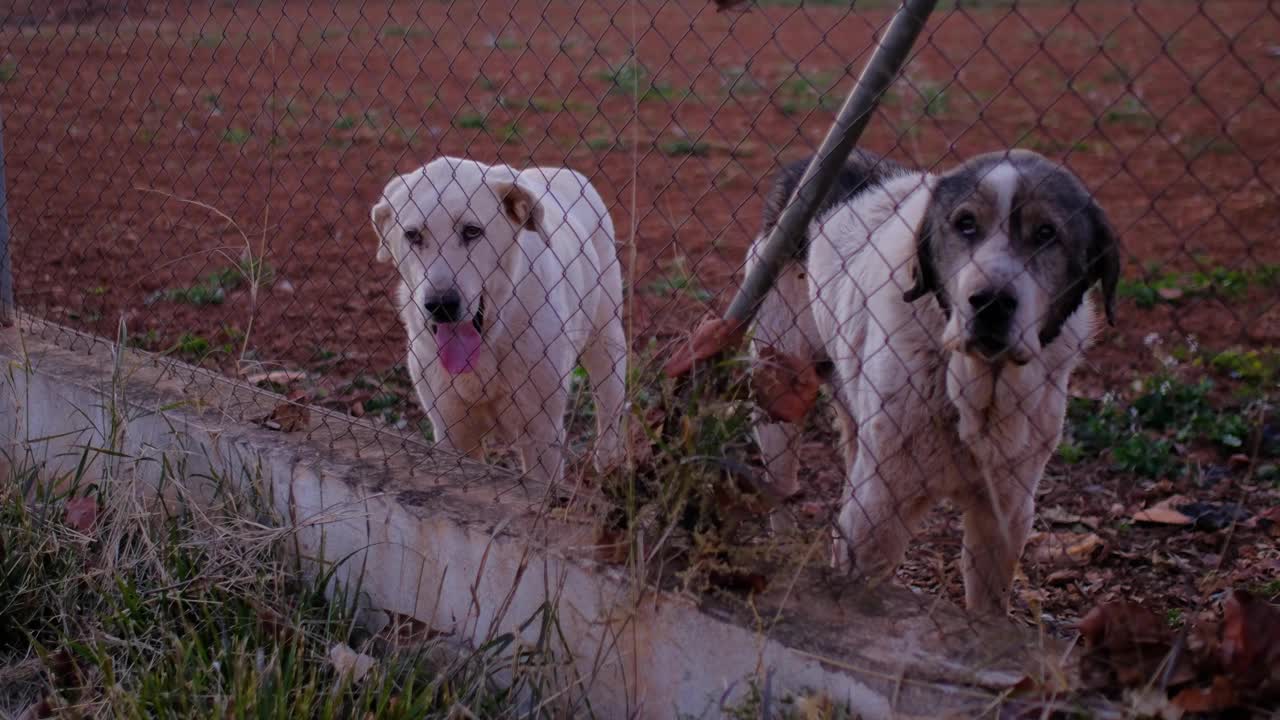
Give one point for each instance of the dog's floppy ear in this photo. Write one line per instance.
(1103, 258)
(382, 218)
(519, 205)
(924, 273)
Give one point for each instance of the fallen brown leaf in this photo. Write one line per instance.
(1059, 516)
(287, 417)
(786, 387)
(1126, 645)
(611, 546)
(1163, 512)
(1061, 549)
(1219, 696)
(1250, 649)
(279, 377)
(711, 338)
(722, 5)
(81, 514)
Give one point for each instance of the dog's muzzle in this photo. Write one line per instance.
(991, 325)
(447, 308)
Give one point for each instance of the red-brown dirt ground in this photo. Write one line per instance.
(288, 118)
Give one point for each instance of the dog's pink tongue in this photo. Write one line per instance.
(457, 345)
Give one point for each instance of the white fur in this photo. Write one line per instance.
(930, 422)
(552, 298)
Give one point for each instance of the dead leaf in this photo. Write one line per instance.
(611, 546)
(81, 514)
(1062, 577)
(1268, 520)
(1169, 293)
(712, 337)
(1219, 696)
(349, 662)
(1250, 649)
(785, 386)
(1126, 645)
(287, 417)
(278, 377)
(1058, 516)
(1163, 512)
(722, 5)
(1065, 549)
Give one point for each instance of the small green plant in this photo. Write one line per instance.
(508, 133)
(934, 98)
(8, 71)
(470, 121)
(1257, 368)
(192, 346)
(685, 146)
(1144, 455)
(1229, 283)
(628, 77)
(213, 288)
(1129, 111)
(508, 43)
(209, 39)
(405, 31)
(805, 91)
(547, 105)
(601, 142)
(236, 136)
(346, 122)
(738, 82)
(678, 280)
(1197, 146)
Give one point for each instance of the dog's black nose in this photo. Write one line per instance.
(993, 311)
(445, 307)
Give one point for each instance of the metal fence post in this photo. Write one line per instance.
(818, 178)
(7, 310)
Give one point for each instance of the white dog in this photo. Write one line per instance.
(509, 279)
(953, 309)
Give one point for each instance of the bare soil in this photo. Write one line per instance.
(288, 117)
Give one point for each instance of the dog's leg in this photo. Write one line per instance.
(605, 360)
(995, 531)
(883, 503)
(782, 324)
(458, 433)
(540, 436)
(778, 449)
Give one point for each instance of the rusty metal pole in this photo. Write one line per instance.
(7, 310)
(816, 183)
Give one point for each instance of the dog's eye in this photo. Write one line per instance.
(414, 236)
(967, 225)
(471, 232)
(1046, 233)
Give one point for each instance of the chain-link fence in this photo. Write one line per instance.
(242, 186)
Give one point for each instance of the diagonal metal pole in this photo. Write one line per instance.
(6, 269)
(818, 178)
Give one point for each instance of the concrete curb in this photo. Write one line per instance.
(463, 548)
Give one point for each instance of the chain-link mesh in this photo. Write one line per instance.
(260, 189)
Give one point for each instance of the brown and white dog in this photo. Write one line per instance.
(508, 279)
(951, 310)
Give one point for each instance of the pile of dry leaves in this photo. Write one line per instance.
(1224, 661)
